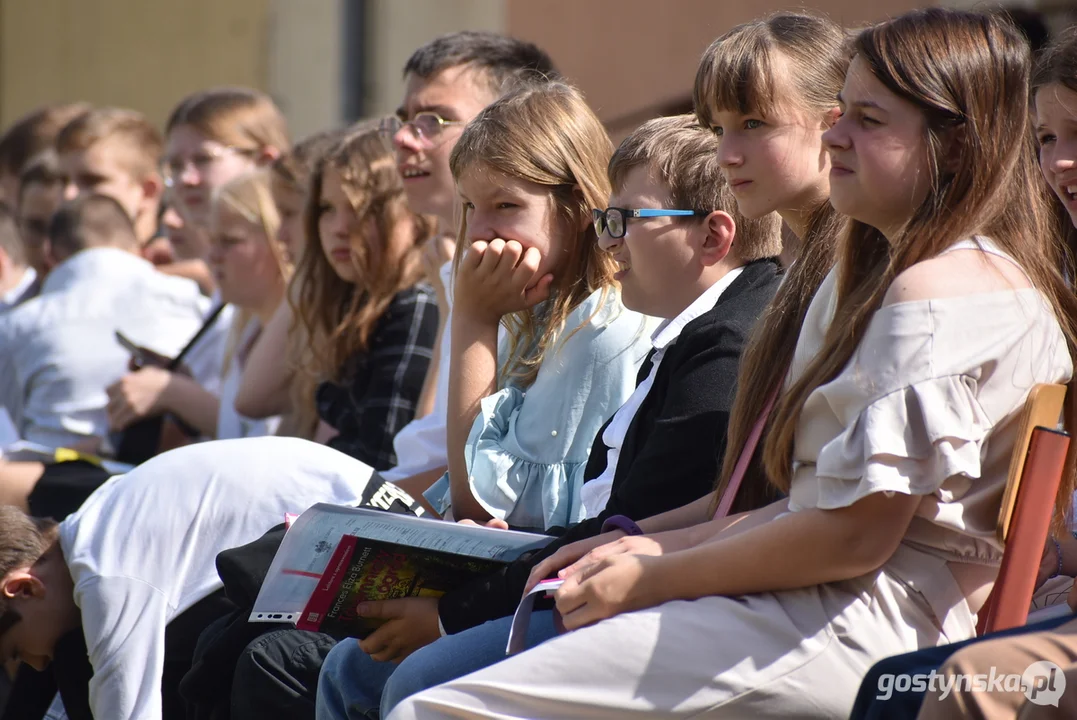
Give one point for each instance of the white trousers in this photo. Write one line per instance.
(792, 654)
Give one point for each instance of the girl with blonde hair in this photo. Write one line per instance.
(215, 135)
(212, 137)
(251, 269)
(521, 418)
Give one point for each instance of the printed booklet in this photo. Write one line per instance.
(334, 557)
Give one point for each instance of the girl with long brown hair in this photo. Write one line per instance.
(892, 439)
(368, 321)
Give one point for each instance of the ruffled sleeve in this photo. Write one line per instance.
(527, 450)
(928, 405)
(910, 440)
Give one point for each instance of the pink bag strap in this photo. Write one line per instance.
(745, 459)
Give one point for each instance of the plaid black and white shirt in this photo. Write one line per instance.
(381, 387)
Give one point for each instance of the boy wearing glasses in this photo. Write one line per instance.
(687, 256)
(448, 81)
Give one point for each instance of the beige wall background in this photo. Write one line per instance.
(144, 54)
(632, 58)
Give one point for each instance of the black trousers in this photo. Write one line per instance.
(71, 671)
(277, 675)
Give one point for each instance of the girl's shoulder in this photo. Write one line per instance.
(970, 268)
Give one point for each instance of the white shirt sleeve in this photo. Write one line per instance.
(124, 622)
(11, 385)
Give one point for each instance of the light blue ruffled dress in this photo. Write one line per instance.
(527, 449)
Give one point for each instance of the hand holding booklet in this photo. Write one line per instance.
(333, 558)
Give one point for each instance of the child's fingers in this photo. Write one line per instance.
(491, 257)
(474, 255)
(511, 255)
(540, 292)
(525, 274)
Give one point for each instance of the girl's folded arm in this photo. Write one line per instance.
(794, 550)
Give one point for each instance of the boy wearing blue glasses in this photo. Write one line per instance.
(687, 256)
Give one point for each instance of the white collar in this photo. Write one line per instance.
(670, 330)
(93, 264)
(13, 295)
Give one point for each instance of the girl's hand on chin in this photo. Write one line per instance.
(498, 278)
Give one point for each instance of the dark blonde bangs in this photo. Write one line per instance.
(736, 74)
(546, 134)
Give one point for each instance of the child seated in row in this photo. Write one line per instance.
(892, 437)
(685, 255)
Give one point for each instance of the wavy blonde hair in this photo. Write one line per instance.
(249, 197)
(546, 134)
(337, 316)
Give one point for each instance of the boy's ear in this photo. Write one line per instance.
(51, 260)
(719, 230)
(152, 186)
(21, 583)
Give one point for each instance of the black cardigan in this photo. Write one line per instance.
(674, 446)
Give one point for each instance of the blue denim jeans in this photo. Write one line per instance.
(353, 686)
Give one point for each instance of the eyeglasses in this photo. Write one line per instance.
(426, 128)
(202, 161)
(614, 221)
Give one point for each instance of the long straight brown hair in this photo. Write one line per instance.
(741, 71)
(969, 74)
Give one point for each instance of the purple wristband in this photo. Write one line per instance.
(621, 522)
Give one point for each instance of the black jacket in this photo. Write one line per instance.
(674, 446)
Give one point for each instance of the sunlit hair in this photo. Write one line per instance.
(968, 73)
(1058, 66)
(337, 316)
(239, 117)
(249, 197)
(33, 134)
(294, 167)
(794, 62)
(142, 143)
(545, 134)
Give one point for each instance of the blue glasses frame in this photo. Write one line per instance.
(614, 220)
